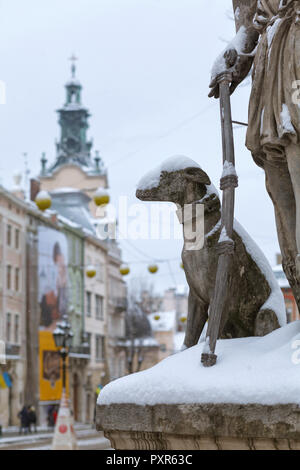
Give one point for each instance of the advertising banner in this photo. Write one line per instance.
(53, 301)
(53, 276)
(50, 369)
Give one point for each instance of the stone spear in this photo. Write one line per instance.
(225, 247)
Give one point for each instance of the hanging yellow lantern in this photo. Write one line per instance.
(43, 200)
(153, 268)
(91, 271)
(101, 197)
(156, 317)
(183, 319)
(124, 269)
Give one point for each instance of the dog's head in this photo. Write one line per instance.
(177, 179)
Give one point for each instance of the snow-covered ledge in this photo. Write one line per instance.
(249, 400)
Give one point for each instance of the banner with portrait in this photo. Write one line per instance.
(53, 290)
(53, 276)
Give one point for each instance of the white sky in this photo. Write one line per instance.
(145, 67)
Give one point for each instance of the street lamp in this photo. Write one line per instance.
(64, 435)
(63, 337)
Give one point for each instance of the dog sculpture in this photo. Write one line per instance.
(255, 304)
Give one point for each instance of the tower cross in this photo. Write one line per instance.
(73, 59)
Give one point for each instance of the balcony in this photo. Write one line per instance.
(83, 351)
(118, 304)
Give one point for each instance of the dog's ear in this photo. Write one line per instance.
(197, 175)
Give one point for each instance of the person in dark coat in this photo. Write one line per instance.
(50, 419)
(32, 418)
(24, 420)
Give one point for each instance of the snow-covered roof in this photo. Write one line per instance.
(148, 342)
(181, 289)
(281, 277)
(248, 370)
(73, 206)
(74, 82)
(65, 190)
(73, 107)
(166, 321)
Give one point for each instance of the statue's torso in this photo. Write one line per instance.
(274, 121)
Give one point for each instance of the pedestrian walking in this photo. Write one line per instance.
(50, 420)
(24, 420)
(32, 418)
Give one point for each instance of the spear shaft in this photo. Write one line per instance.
(225, 247)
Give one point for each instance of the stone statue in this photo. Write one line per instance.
(257, 306)
(268, 36)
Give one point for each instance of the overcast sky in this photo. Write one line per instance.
(145, 67)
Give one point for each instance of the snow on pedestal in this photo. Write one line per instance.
(257, 370)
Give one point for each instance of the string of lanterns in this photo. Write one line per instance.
(182, 318)
(101, 197)
(43, 199)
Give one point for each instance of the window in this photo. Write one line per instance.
(8, 327)
(17, 239)
(89, 338)
(17, 279)
(8, 235)
(100, 348)
(99, 307)
(88, 304)
(17, 325)
(8, 276)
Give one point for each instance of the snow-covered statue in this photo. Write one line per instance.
(268, 35)
(255, 304)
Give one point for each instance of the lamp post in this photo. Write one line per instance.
(63, 337)
(64, 435)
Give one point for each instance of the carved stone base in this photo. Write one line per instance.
(201, 426)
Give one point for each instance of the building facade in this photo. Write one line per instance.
(44, 260)
(96, 320)
(117, 305)
(72, 180)
(12, 306)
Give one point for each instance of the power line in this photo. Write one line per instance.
(166, 133)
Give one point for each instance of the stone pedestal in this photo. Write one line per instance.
(200, 426)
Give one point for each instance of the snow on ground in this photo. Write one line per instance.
(248, 370)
